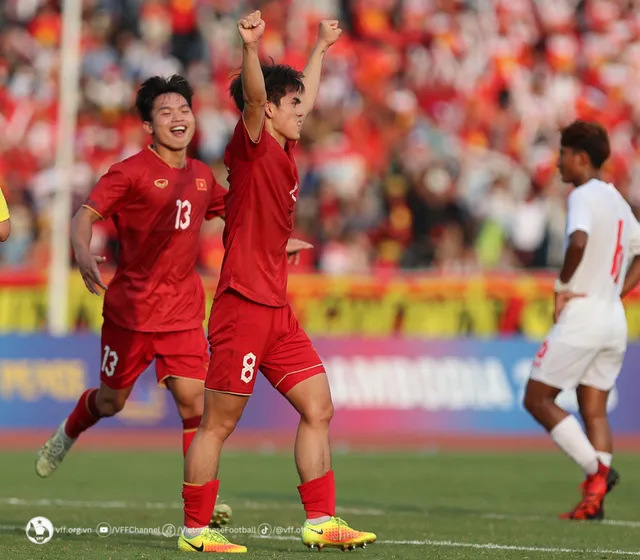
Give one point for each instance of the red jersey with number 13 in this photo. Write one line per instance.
(263, 189)
(158, 211)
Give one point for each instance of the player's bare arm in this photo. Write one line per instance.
(632, 278)
(81, 232)
(251, 29)
(573, 257)
(328, 33)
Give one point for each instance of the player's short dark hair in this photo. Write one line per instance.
(588, 137)
(158, 85)
(279, 80)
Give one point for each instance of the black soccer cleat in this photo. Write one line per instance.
(613, 479)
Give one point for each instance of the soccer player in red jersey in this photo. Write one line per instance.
(252, 325)
(154, 306)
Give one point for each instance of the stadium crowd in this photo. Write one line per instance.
(433, 143)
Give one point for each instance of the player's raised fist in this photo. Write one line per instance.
(328, 32)
(251, 28)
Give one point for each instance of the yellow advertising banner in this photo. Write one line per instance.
(417, 305)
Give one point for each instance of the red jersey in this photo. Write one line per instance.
(158, 211)
(263, 189)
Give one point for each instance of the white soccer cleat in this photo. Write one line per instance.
(53, 452)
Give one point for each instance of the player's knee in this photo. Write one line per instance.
(110, 405)
(188, 395)
(534, 404)
(191, 407)
(317, 413)
(219, 425)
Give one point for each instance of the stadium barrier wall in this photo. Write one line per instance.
(382, 388)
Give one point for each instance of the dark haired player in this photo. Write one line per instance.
(252, 325)
(586, 346)
(154, 307)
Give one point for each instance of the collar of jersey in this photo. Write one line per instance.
(156, 155)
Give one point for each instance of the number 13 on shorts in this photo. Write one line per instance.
(109, 361)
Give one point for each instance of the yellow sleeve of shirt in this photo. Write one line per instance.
(4, 209)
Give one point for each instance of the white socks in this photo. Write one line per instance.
(318, 520)
(605, 458)
(570, 437)
(192, 532)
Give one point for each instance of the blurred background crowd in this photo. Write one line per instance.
(434, 139)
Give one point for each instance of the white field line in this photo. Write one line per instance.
(257, 506)
(486, 546)
(116, 504)
(507, 516)
(434, 544)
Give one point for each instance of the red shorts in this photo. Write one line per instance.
(246, 336)
(127, 354)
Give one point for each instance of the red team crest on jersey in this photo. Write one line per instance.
(201, 184)
(161, 183)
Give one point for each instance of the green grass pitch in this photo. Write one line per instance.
(435, 506)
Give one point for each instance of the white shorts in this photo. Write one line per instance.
(563, 366)
(585, 347)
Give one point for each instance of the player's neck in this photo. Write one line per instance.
(170, 157)
(586, 178)
(280, 139)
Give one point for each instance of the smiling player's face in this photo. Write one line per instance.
(286, 119)
(173, 124)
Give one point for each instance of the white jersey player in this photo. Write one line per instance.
(586, 346)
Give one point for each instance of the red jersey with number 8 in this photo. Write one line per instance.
(263, 189)
(158, 211)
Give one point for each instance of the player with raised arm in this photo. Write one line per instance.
(587, 343)
(252, 325)
(154, 307)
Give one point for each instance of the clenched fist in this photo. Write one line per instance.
(328, 33)
(251, 28)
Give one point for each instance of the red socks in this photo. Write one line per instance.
(189, 429)
(199, 501)
(319, 496)
(84, 415)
